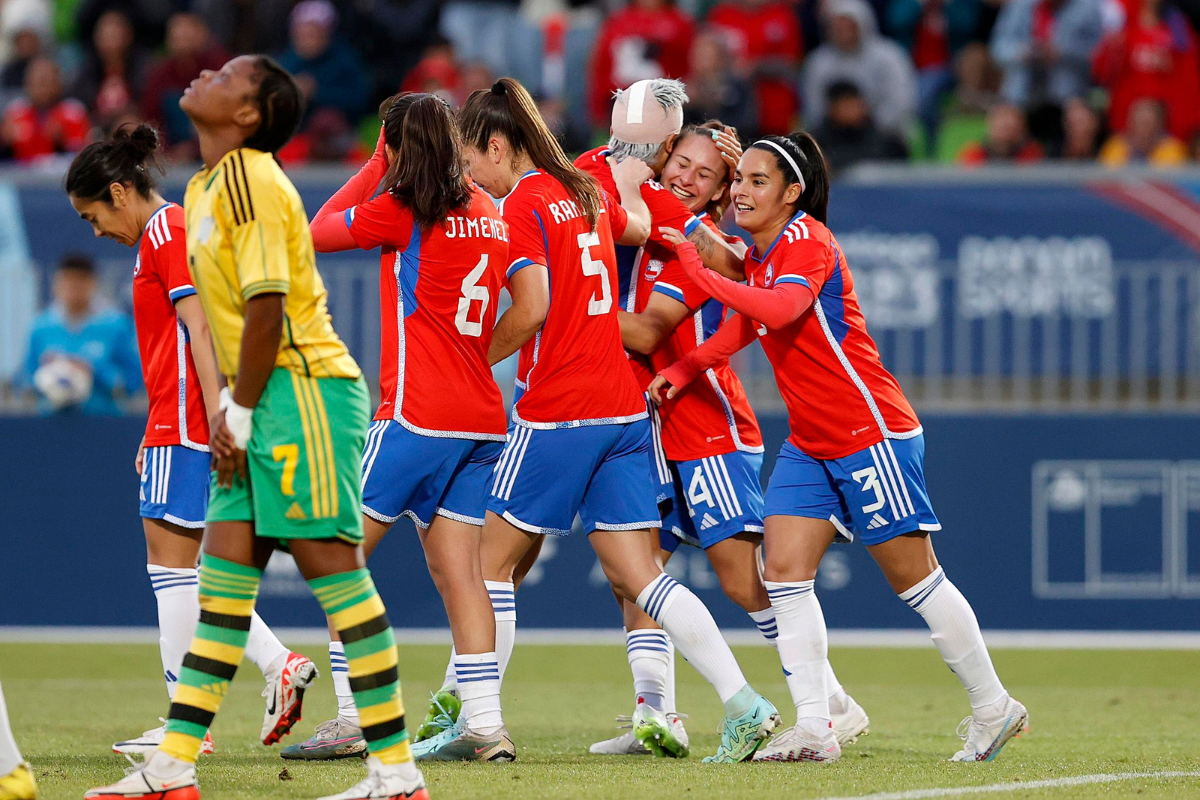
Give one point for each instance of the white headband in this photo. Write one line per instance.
(791, 163)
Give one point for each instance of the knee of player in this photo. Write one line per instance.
(749, 595)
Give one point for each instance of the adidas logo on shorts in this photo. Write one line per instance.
(707, 522)
(876, 522)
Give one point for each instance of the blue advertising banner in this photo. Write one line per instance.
(1050, 522)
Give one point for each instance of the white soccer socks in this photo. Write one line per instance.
(478, 678)
(339, 669)
(803, 649)
(839, 701)
(10, 756)
(504, 606)
(264, 648)
(649, 653)
(177, 594)
(684, 617)
(955, 631)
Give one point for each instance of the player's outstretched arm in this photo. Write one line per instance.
(727, 258)
(644, 331)
(530, 290)
(329, 230)
(191, 314)
(734, 334)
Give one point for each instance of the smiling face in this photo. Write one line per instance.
(224, 97)
(695, 172)
(116, 220)
(761, 197)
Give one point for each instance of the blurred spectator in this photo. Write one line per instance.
(715, 91)
(247, 26)
(190, 49)
(111, 77)
(327, 69)
(1155, 56)
(42, 123)
(148, 18)
(436, 73)
(1007, 140)
(848, 134)
(1145, 139)
(764, 38)
(482, 30)
(856, 53)
(82, 354)
(25, 26)
(646, 39)
(1082, 127)
(935, 32)
(1044, 48)
(393, 35)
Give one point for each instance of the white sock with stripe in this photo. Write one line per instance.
(504, 606)
(450, 680)
(478, 677)
(955, 631)
(339, 670)
(264, 648)
(689, 624)
(803, 650)
(10, 756)
(177, 594)
(765, 620)
(649, 654)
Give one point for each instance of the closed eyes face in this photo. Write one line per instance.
(108, 220)
(223, 96)
(695, 172)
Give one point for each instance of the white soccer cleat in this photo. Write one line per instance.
(851, 723)
(984, 740)
(149, 741)
(285, 697)
(795, 744)
(160, 778)
(659, 732)
(386, 782)
(626, 744)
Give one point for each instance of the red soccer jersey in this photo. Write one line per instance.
(632, 44)
(666, 210)
(574, 370)
(711, 415)
(160, 279)
(438, 290)
(768, 32)
(839, 397)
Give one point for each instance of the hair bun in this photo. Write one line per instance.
(499, 88)
(143, 139)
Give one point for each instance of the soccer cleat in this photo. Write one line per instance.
(984, 740)
(149, 741)
(851, 724)
(148, 782)
(444, 706)
(333, 739)
(796, 744)
(386, 782)
(285, 697)
(741, 737)
(626, 744)
(18, 784)
(658, 732)
(460, 743)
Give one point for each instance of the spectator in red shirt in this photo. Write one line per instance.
(1007, 140)
(42, 123)
(764, 38)
(646, 39)
(1154, 56)
(190, 49)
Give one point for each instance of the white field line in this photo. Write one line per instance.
(995, 788)
(1031, 640)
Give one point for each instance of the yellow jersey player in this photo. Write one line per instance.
(287, 441)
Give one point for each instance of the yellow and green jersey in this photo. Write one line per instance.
(247, 234)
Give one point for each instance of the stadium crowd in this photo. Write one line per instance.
(967, 81)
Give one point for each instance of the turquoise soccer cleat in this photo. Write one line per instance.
(460, 743)
(742, 736)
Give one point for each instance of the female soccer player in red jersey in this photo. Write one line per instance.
(712, 448)
(853, 464)
(111, 184)
(441, 425)
(580, 437)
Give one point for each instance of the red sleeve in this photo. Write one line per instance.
(775, 307)
(736, 332)
(75, 125)
(382, 222)
(666, 211)
(618, 217)
(674, 282)
(526, 237)
(331, 234)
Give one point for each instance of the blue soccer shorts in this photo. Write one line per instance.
(405, 474)
(546, 476)
(715, 498)
(661, 477)
(873, 495)
(175, 485)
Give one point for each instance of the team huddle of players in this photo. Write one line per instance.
(627, 301)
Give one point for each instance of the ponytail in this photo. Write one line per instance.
(426, 174)
(801, 151)
(127, 157)
(508, 110)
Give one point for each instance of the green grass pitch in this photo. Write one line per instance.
(1092, 712)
